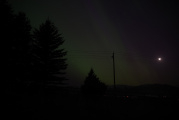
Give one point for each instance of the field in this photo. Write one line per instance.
(72, 106)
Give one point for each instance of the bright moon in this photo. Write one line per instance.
(159, 59)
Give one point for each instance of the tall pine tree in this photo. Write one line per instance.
(6, 23)
(15, 34)
(21, 48)
(49, 59)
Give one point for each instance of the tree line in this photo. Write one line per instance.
(35, 58)
(30, 57)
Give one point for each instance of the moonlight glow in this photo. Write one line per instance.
(159, 59)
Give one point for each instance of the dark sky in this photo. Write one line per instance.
(138, 31)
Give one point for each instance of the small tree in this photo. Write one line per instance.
(93, 86)
(49, 56)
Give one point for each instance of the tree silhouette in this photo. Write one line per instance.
(49, 56)
(21, 48)
(93, 86)
(15, 33)
(6, 23)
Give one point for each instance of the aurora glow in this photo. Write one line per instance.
(137, 31)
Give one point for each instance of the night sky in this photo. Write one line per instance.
(138, 31)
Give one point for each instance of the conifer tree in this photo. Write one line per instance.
(93, 86)
(49, 54)
(21, 48)
(15, 29)
(6, 22)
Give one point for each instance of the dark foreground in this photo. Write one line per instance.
(53, 107)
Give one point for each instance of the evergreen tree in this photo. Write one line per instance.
(49, 59)
(93, 86)
(16, 36)
(6, 23)
(15, 33)
(21, 48)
